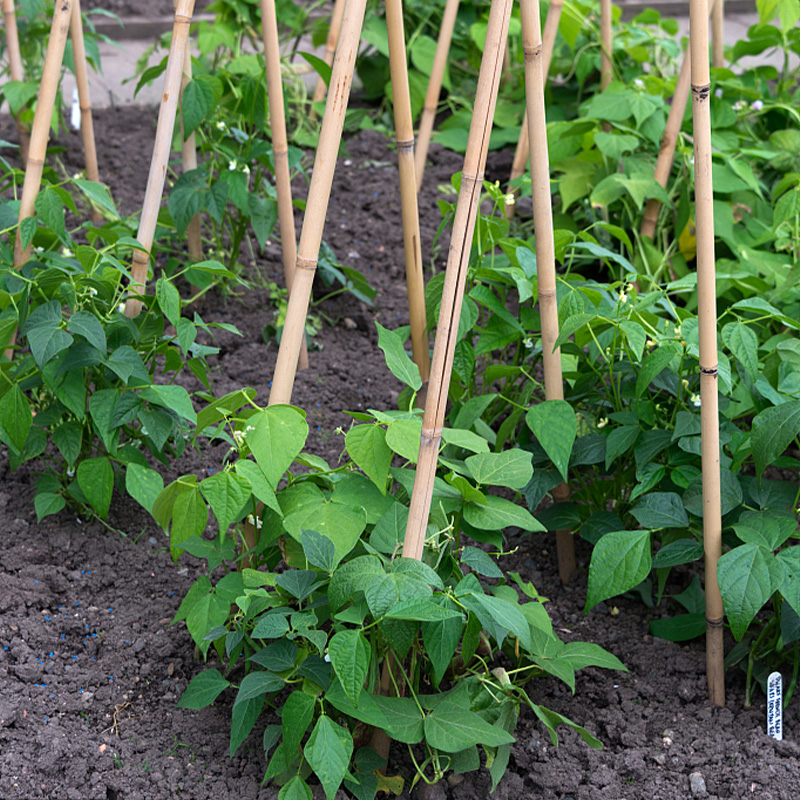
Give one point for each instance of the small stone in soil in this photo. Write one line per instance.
(697, 784)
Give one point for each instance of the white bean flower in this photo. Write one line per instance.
(757, 105)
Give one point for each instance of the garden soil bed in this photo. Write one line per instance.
(91, 670)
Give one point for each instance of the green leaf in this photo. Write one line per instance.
(481, 563)
(47, 503)
(367, 446)
(172, 397)
(328, 752)
(257, 684)
(511, 468)
(96, 480)
(98, 194)
(227, 494)
(636, 336)
(661, 510)
(683, 551)
(620, 561)
(50, 210)
(420, 610)
(341, 524)
(203, 690)
(743, 344)
(143, 484)
(614, 145)
(679, 628)
(197, 101)
(16, 418)
(747, 576)
(587, 654)
(87, 325)
(350, 656)
(619, 441)
(500, 513)
(276, 436)
(555, 426)
(773, 431)
(508, 616)
(398, 361)
(243, 719)
(451, 728)
(296, 789)
(402, 437)
(441, 639)
(189, 518)
(169, 300)
(296, 716)
(319, 550)
(654, 364)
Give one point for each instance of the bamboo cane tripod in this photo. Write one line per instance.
(707, 321)
(15, 70)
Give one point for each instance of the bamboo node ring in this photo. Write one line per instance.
(406, 145)
(532, 52)
(714, 624)
(476, 178)
(701, 92)
(182, 19)
(710, 371)
(306, 263)
(547, 293)
(431, 435)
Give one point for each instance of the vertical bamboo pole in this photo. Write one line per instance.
(707, 319)
(523, 144)
(330, 49)
(194, 240)
(15, 69)
(718, 34)
(606, 43)
(404, 134)
(435, 87)
(161, 150)
(280, 149)
(82, 80)
(456, 276)
(545, 248)
(41, 119)
(317, 203)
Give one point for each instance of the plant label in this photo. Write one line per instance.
(775, 706)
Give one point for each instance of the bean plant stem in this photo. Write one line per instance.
(434, 87)
(456, 276)
(707, 324)
(280, 150)
(15, 70)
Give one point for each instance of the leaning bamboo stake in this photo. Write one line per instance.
(40, 132)
(707, 319)
(194, 240)
(456, 275)
(317, 203)
(161, 151)
(545, 248)
(606, 43)
(15, 69)
(718, 34)
(330, 49)
(404, 134)
(280, 149)
(434, 87)
(523, 144)
(41, 120)
(82, 80)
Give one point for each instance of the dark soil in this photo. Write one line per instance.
(90, 669)
(130, 8)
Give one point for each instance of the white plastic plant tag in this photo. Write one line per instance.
(775, 706)
(75, 116)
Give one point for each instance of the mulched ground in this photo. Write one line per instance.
(90, 669)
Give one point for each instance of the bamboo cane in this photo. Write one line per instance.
(404, 134)
(435, 87)
(161, 151)
(40, 131)
(280, 149)
(523, 144)
(707, 319)
(41, 120)
(194, 240)
(718, 34)
(317, 203)
(330, 49)
(84, 99)
(606, 43)
(545, 248)
(15, 70)
(456, 275)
